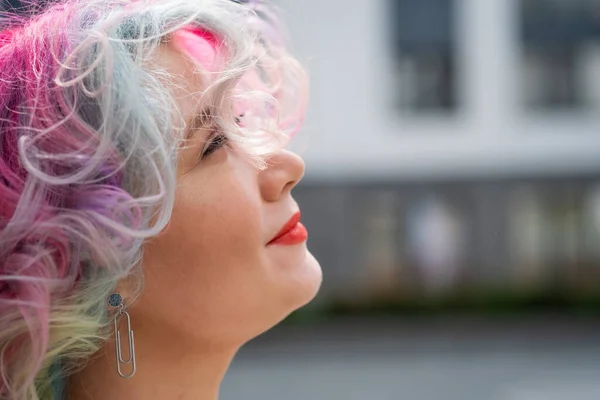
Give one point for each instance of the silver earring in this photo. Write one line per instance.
(115, 300)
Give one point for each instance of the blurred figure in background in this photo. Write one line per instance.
(436, 242)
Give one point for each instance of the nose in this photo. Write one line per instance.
(285, 169)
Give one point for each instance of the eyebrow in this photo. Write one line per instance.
(198, 120)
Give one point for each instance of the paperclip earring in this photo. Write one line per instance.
(115, 300)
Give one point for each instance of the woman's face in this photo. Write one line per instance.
(211, 275)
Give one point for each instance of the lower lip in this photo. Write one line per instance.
(298, 234)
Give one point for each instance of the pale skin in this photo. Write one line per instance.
(211, 282)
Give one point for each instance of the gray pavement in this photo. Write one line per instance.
(547, 358)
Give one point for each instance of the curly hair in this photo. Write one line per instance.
(89, 137)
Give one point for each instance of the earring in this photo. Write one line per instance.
(115, 300)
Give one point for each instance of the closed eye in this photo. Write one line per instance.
(217, 142)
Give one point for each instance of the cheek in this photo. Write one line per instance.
(217, 216)
(213, 249)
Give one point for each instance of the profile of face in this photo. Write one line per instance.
(206, 253)
(214, 275)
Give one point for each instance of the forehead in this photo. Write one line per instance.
(184, 79)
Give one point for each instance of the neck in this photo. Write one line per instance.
(167, 368)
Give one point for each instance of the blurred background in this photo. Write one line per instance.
(452, 196)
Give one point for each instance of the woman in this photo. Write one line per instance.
(144, 187)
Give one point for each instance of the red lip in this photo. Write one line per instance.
(293, 232)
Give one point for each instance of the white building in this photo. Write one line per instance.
(355, 129)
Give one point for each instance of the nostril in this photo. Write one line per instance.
(289, 186)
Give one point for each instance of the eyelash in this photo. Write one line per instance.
(218, 141)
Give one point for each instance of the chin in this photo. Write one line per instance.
(295, 287)
(304, 284)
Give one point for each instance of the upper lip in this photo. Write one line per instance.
(292, 222)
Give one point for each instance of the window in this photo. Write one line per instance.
(423, 54)
(561, 53)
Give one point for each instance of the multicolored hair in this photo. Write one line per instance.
(89, 137)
